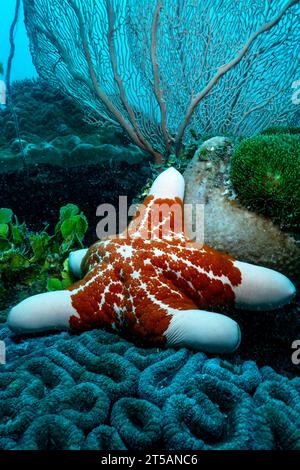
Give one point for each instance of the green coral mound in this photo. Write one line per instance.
(265, 172)
(97, 391)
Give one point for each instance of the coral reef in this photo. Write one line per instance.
(98, 391)
(265, 171)
(131, 85)
(53, 130)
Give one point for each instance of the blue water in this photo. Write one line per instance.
(22, 66)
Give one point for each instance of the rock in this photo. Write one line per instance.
(68, 142)
(230, 227)
(214, 149)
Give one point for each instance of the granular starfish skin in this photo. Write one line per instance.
(135, 282)
(155, 286)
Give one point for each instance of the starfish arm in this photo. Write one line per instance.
(161, 214)
(75, 261)
(212, 278)
(204, 275)
(158, 312)
(92, 302)
(262, 288)
(204, 331)
(168, 185)
(150, 301)
(97, 299)
(42, 312)
(158, 219)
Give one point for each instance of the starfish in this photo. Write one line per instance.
(153, 284)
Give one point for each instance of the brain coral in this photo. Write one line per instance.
(98, 391)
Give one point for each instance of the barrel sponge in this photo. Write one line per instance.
(280, 405)
(265, 171)
(52, 432)
(244, 375)
(104, 438)
(138, 422)
(167, 377)
(85, 405)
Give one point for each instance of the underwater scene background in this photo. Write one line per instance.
(97, 99)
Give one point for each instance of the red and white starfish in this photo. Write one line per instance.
(156, 286)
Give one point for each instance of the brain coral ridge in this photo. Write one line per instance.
(98, 391)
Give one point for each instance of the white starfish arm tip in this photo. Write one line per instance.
(262, 288)
(203, 331)
(42, 312)
(169, 184)
(75, 260)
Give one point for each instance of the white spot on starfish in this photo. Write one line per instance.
(158, 252)
(136, 275)
(126, 251)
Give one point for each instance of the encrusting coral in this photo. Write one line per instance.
(51, 398)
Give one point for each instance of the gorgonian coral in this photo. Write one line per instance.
(156, 68)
